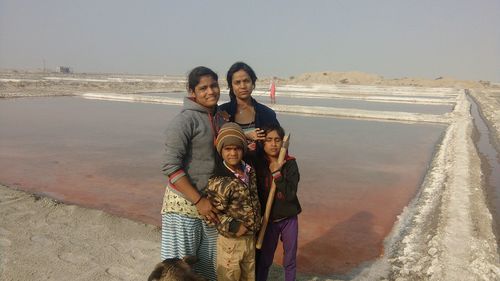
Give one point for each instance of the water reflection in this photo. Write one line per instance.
(356, 175)
(350, 167)
(491, 163)
(103, 155)
(343, 243)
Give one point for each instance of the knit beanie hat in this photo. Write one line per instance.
(231, 134)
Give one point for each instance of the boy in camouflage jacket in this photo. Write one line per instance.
(233, 192)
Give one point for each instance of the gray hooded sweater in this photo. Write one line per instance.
(189, 145)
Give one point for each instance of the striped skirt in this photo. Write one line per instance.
(182, 236)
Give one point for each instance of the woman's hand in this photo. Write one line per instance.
(225, 115)
(207, 210)
(256, 135)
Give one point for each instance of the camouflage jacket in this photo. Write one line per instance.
(237, 202)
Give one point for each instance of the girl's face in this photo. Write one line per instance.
(242, 85)
(272, 144)
(207, 92)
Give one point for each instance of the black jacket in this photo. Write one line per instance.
(286, 203)
(263, 114)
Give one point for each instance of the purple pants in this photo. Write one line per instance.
(288, 229)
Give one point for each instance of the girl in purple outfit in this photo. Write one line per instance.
(283, 220)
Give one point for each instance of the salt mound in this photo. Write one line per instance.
(331, 77)
(361, 78)
(438, 82)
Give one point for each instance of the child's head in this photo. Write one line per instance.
(274, 139)
(231, 143)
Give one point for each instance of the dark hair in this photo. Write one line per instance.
(274, 127)
(237, 66)
(195, 75)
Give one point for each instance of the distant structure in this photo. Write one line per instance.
(65, 69)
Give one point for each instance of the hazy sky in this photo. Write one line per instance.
(393, 38)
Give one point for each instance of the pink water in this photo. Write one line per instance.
(356, 176)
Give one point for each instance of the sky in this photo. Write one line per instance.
(392, 38)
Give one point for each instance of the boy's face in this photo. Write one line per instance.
(232, 155)
(272, 144)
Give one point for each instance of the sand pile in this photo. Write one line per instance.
(436, 83)
(41, 239)
(330, 77)
(360, 78)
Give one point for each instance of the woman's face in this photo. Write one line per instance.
(242, 85)
(207, 92)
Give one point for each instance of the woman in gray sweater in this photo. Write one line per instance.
(188, 163)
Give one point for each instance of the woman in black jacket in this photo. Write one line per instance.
(242, 108)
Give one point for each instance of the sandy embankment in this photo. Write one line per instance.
(444, 234)
(41, 239)
(55, 84)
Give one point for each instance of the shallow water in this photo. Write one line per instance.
(339, 103)
(420, 96)
(490, 155)
(356, 175)
(367, 105)
(104, 155)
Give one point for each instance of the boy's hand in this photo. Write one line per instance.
(241, 230)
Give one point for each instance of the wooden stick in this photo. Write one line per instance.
(272, 191)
